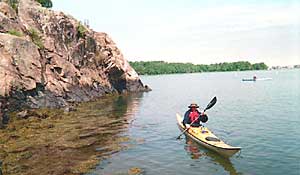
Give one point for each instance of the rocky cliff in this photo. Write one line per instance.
(49, 59)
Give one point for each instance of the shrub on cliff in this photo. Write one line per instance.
(13, 4)
(45, 3)
(15, 32)
(36, 38)
(81, 31)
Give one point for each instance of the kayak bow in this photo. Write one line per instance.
(206, 138)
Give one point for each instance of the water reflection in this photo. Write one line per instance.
(112, 117)
(196, 151)
(127, 105)
(67, 143)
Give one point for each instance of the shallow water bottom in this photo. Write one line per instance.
(51, 141)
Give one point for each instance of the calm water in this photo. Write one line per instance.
(262, 117)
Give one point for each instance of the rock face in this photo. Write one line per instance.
(49, 59)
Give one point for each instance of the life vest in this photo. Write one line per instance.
(194, 116)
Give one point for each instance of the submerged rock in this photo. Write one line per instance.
(49, 59)
(135, 171)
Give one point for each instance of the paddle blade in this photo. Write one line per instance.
(211, 103)
(178, 138)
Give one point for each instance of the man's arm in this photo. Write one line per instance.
(186, 118)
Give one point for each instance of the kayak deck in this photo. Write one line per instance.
(205, 137)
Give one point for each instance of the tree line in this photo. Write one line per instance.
(161, 67)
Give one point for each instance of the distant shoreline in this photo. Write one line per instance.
(282, 69)
(161, 67)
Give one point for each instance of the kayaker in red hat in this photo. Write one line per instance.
(192, 116)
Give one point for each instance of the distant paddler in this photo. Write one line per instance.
(254, 78)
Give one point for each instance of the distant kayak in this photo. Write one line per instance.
(257, 79)
(248, 79)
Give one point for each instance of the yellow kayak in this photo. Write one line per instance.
(206, 138)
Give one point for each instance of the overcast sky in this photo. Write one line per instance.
(201, 32)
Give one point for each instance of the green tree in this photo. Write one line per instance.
(259, 66)
(45, 3)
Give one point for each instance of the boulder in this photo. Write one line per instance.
(20, 64)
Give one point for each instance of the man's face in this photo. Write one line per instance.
(193, 109)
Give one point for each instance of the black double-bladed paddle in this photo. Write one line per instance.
(210, 104)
